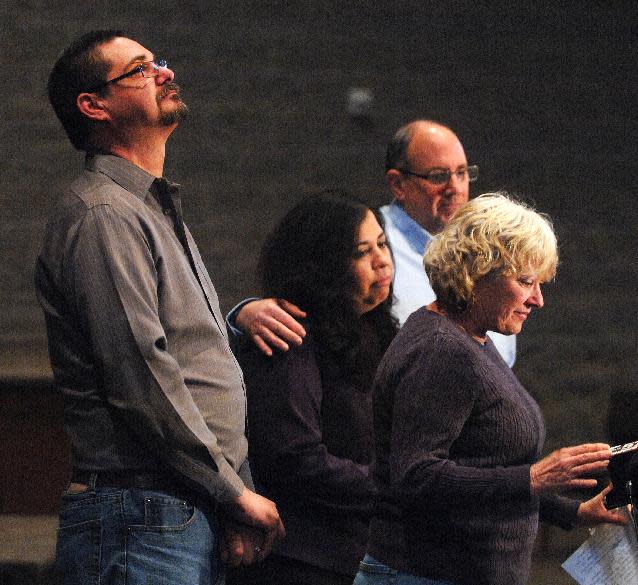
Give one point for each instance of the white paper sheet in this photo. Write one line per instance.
(608, 557)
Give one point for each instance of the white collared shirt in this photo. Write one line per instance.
(412, 288)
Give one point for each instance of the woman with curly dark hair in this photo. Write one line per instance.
(309, 409)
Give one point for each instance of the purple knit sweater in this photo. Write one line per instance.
(310, 449)
(455, 435)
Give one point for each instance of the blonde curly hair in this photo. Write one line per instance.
(489, 236)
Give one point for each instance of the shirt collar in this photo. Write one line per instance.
(417, 236)
(123, 172)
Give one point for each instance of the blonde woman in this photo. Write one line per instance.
(457, 438)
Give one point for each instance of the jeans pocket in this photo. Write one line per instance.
(172, 542)
(164, 513)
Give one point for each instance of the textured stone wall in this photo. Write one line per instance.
(542, 98)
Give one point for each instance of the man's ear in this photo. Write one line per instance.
(91, 106)
(394, 179)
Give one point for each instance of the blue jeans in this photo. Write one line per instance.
(112, 536)
(373, 572)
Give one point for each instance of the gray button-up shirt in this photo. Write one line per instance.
(137, 341)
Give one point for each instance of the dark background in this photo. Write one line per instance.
(542, 95)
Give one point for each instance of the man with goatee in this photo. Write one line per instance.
(154, 400)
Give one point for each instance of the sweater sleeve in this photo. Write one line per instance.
(434, 397)
(287, 451)
(559, 511)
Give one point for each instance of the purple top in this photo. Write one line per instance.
(310, 446)
(455, 435)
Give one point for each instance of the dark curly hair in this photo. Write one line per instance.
(307, 260)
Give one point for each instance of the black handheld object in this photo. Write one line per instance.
(623, 469)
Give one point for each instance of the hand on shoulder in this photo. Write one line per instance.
(272, 324)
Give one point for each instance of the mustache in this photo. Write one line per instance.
(168, 88)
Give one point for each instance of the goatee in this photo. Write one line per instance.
(176, 114)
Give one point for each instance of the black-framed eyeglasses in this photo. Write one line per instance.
(443, 176)
(146, 69)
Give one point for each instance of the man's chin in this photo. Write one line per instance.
(175, 115)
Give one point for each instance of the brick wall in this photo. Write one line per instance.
(542, 99)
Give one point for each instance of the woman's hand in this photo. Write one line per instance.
(241, 544)
(593, 512)
(564, 469)
(252, 510)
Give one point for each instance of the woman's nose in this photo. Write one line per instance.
(382, 256)
(536, 298)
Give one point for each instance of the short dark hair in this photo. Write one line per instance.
(80, 67)
(307, 260)
(396, 156)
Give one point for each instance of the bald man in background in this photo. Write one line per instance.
(429, 177)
